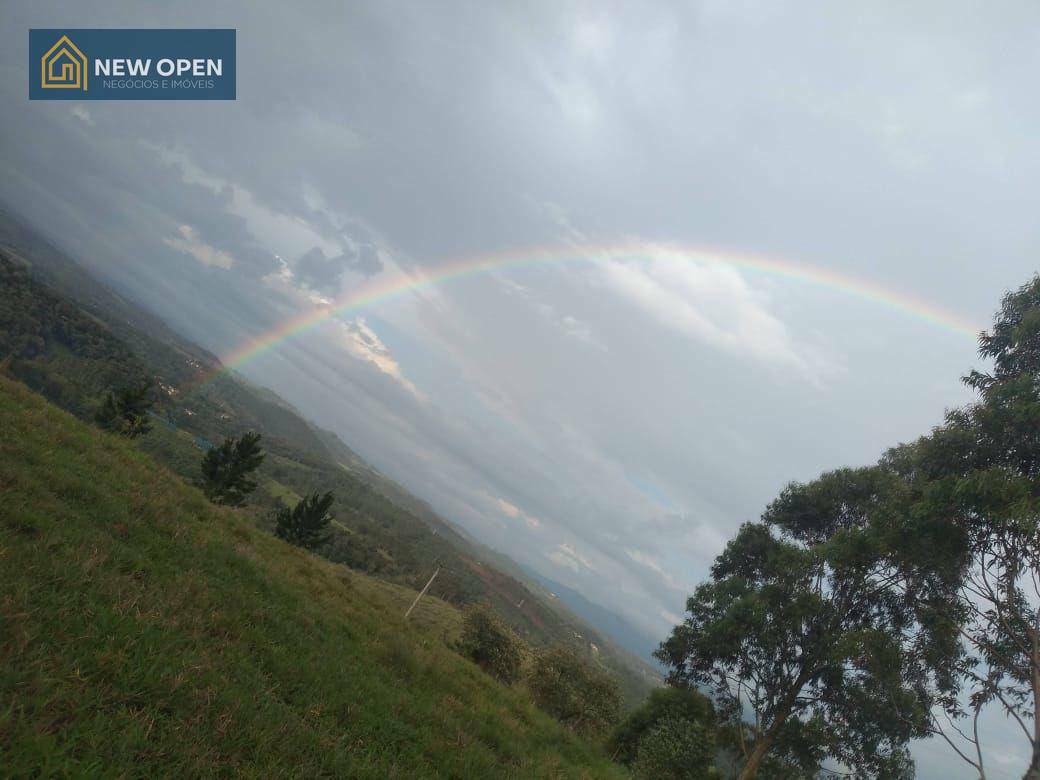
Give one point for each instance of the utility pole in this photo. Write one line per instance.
(422, 593)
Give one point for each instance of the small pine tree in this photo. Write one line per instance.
(491, 644)
(306, 524)
(226, 469)
(125, 411)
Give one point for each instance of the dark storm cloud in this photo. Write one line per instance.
(325, 274)
(366, 262)
(320, 272)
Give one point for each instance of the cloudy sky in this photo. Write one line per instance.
(709, 235)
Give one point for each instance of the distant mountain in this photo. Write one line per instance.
(621, 631)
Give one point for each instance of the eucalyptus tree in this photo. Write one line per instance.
(809, 629)
(975, 511)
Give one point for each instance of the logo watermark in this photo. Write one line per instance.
(147, 64)
(64, 66)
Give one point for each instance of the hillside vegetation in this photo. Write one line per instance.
(146, 632)
(73, 339)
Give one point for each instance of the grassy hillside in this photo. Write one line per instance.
(72, 338)
(145, 632)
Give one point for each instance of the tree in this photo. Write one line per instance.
(675, 749)
(976, 504)
(491, 644)
(125, 411)
(582, 697)
(680, 703)
(226, 469)
(306, 524)
(808, 626)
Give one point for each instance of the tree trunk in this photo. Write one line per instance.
(763, 743)
(1033, 773)
(750, 770)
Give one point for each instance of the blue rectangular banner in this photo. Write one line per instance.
(131, 64)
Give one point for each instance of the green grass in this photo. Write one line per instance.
(285, 494)
(147, 633)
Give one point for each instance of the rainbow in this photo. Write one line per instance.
(465, 267)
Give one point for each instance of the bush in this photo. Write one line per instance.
(582, 697)
(662, 703)
(307, 523)
(491, 644)
(675, 749)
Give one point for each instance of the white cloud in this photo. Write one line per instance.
(333, 138)
(670, 616)
(80, 112)
(364, 344)
(566, 557)
(285, 234)
(558, 216)
(578, 329)
(190, 243)
(570, 325)
(514, 512)
(1008, 759)
(594, 37)
(712, 304)
(654, 565)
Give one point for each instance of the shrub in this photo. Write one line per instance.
(491, 644)
(582, 697)
(663, 703)
(675, 749)
(307, 523)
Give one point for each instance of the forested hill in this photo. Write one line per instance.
(71, 338)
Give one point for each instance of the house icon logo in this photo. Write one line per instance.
(63, 66)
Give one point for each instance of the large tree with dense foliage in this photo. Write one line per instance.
(975, 518)
(227, 469)
(809, 628)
